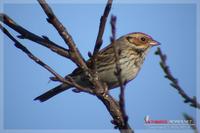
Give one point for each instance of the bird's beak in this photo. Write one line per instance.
(154, 43)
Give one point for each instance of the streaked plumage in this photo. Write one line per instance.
(133, 49)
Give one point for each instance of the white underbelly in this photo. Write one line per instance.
(128, 73)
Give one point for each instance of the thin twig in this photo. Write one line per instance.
(113, 31)
(74, 52)
(75, 55)
(174, 82)
(38, 61)
(99, 41)
(102, 27)
(125, 127)
(25, 34)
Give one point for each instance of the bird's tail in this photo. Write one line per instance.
(49, 94)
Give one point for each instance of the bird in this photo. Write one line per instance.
(133, 48)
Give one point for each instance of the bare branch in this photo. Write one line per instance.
(77, 58)
(125, 127)
(74, 52)
(75, 55)
(113, 108)
(102, 27)
(40, 62)
(99, 39)
(113, 31)
(174, 82)
(25, 34)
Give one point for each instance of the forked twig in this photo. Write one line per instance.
(25, 34)
(38, 61)
(75, 55)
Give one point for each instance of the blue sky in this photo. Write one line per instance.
(174, 25)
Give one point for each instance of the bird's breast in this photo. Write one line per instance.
(130, 64)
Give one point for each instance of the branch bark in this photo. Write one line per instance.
(125, 127)
(102, 25)
(174, 82)
(40, 62)
(25, 34)
(75, 55)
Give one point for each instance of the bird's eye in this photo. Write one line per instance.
(143, 39)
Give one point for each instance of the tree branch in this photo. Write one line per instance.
(122, 84)
(25, 34)
(40, 62)
(102, 25)
(74, 52)
(77, 58)
(75, 55)
(174, 82)
(99, 41)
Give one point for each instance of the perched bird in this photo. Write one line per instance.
(133, 49)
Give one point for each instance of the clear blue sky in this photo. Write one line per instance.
(174, 25)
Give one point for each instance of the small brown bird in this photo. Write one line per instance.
(133, 49)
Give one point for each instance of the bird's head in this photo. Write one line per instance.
(140, 41)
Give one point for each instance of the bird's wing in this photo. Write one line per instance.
(103, 56)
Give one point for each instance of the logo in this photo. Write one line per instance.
(163, 123)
